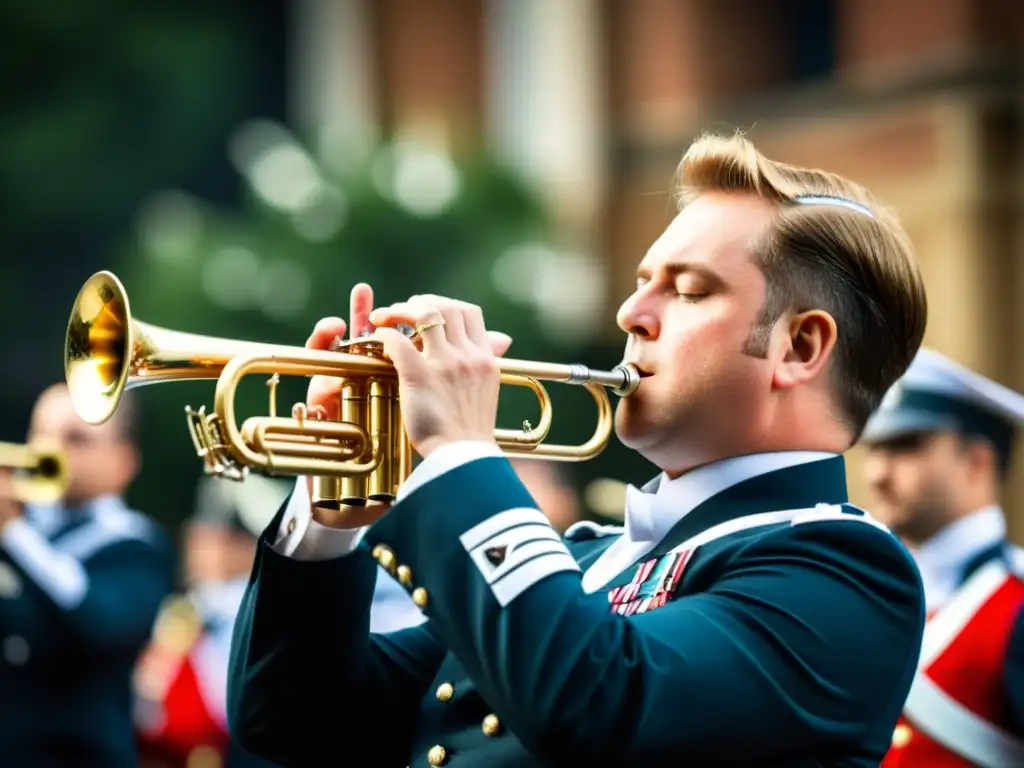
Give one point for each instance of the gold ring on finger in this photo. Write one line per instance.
(427, 326)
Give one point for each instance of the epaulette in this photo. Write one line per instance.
(586, 530)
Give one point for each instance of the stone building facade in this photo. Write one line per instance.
(595, 100)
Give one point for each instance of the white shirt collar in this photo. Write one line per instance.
(942, 559)
(652, 510)
(49, 518)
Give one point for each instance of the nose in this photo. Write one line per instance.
(637, 316)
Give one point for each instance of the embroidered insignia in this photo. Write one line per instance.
(654, 583)
(496, 555)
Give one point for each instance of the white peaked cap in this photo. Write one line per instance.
(937, 393)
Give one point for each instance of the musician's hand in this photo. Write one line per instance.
(323, 390)
(10, 507)
(449, 389)
(323, 397)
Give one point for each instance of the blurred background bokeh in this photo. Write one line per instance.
(241, 164)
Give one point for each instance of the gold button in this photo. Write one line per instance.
(437, 755)
(387, 560)
(419, 596)
(376, 552)
(291, 525)
(445, 691)
(901, 736)
(405, 575)
(491, 726)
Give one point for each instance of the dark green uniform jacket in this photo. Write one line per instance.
(790, 641)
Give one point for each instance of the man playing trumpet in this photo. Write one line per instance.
(744, 614)
(81, 581)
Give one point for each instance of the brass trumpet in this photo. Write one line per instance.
(365, 455)
(40, 473)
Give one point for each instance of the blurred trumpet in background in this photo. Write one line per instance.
(40, 474)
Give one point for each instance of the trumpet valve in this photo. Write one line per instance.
(326, 492)
(363, 345)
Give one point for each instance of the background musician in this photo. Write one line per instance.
(181, 680)
(80, 585)
(940, 448)
(743, 594)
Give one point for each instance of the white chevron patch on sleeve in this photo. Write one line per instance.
(514, 550)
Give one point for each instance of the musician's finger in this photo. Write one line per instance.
(325, 332)
(360, 307)
(427, 322)
(499, 342)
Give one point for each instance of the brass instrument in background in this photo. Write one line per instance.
(40, 472)
(364, 456)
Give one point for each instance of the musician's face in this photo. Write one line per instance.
(917, 481)
(99, 460)
(699, 295)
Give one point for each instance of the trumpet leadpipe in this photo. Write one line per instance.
(623, 379)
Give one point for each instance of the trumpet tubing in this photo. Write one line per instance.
(40, 473)
(364, 456)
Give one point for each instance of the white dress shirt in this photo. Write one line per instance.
(943, 558)
(650, 513)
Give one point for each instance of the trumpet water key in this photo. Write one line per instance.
(365, 455)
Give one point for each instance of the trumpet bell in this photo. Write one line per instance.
(107, 351)
(97, 347)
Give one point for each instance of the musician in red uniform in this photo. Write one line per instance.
(939, 449)
(181, 679)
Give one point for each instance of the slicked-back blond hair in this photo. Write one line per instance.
(847, 255)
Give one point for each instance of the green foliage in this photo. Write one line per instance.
(108, 73)
(112, 100)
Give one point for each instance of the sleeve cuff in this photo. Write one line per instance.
(445, 459)
(300, 537)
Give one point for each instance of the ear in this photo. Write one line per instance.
(811, 337)
(981, 458)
